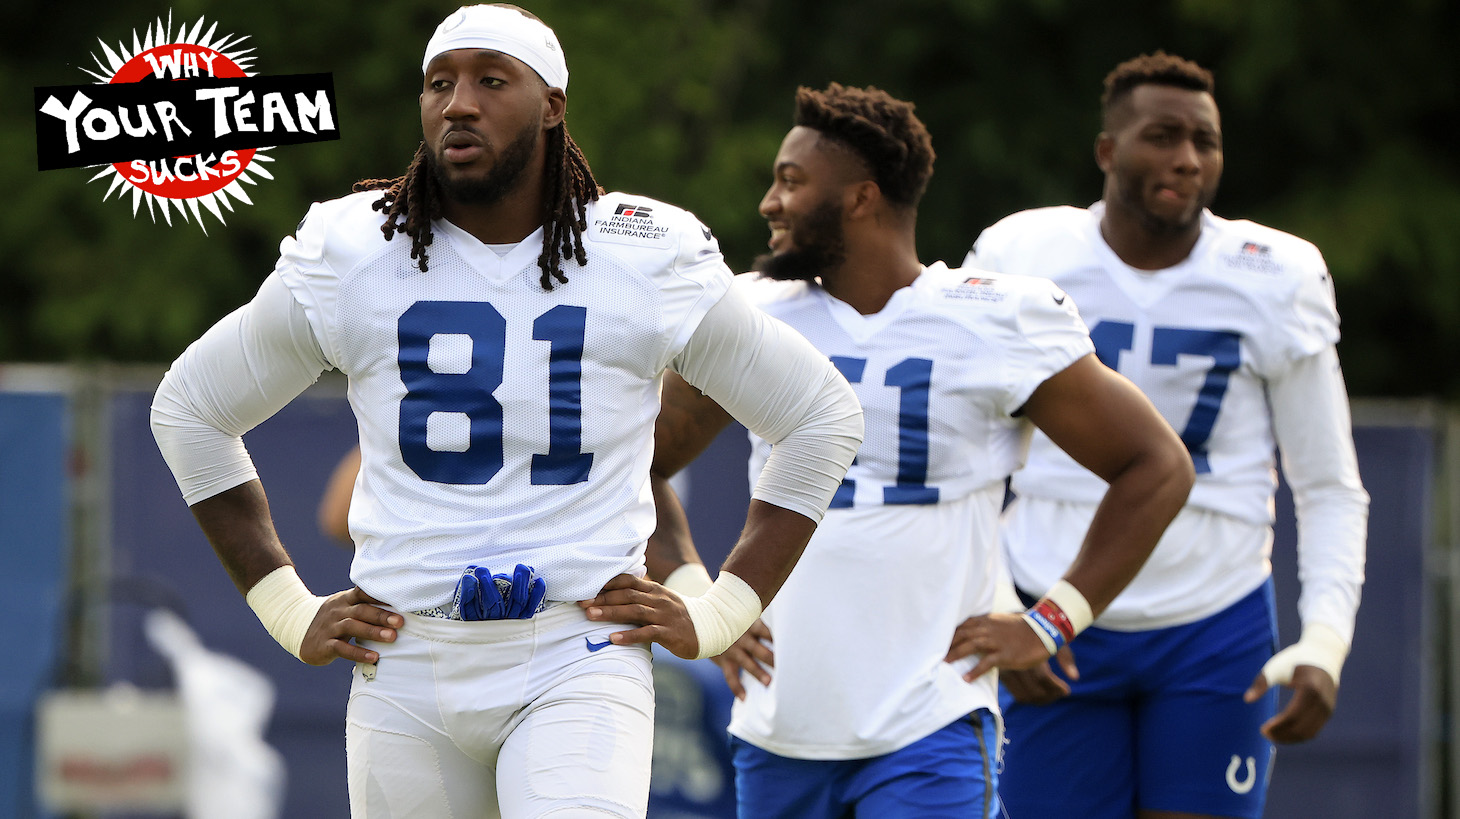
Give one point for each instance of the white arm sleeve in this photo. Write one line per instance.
(1315, 438)
(773, 381)
(243, 370)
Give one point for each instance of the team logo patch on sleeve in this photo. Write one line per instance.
(1254, 257)
(630, 224)
(975, 288)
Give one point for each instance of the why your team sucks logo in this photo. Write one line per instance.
(180, 121)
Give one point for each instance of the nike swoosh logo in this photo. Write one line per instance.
(705, 231)
(592, 646)
(1058, 299)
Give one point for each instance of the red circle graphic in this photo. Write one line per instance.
(183, 177)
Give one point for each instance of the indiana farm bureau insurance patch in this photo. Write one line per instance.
(180, 121)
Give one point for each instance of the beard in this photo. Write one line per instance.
(1131, 195)
(498, 181)
(820, 245)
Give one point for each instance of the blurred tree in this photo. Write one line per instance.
(1339, 121)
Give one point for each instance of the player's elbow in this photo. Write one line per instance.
(670, 457)
(842, 428)
(831, 421)
(1335, 496)
(173, 417)
(334, 524)
(1172, 471)
(1158, 470)
(845, 412)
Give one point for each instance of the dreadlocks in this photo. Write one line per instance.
(412, 201)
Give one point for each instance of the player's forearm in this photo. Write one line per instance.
(1332, 534)
(769, 547)
(238, 525)
(333, 514)
(1313, 429)
(1139, 504)
(688, 423)
(770, 378)
(671, 545)
(1102, 421)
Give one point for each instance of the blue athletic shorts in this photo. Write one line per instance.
(950, 773)
(1155, 722)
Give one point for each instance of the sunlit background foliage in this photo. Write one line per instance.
(1341, 121)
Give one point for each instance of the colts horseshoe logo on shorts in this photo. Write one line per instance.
(1245, 785)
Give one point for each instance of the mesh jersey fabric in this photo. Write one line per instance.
(464, 380)
(909, 548)
(1209, 341)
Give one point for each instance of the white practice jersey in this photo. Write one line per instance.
(487, 435)
(501, 423)
(1210, 341)
(908, 549)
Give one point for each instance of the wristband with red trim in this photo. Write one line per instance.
(1059, 616)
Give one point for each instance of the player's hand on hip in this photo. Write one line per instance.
(1040, 685)
(1315, 695)
(751, 654)
(345, 616)
(1001, 640)
(659, 613)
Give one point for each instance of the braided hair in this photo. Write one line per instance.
(412, 201)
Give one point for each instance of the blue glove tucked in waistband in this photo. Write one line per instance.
(481, 595)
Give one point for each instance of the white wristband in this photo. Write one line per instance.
(1059, 616)
(1074, 604)
(723, 613)
(285, 607)
(689, 580)
(1320, 646)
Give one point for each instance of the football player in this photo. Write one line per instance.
(1229, 327)
(504, 325)
(857, 709)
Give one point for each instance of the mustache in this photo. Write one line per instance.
(463, 128)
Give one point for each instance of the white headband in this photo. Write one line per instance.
(505, 30)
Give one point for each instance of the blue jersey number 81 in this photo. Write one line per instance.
(470, 393)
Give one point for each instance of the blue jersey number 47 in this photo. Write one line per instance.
(1223, 347)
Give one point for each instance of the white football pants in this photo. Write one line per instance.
(504, 718)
